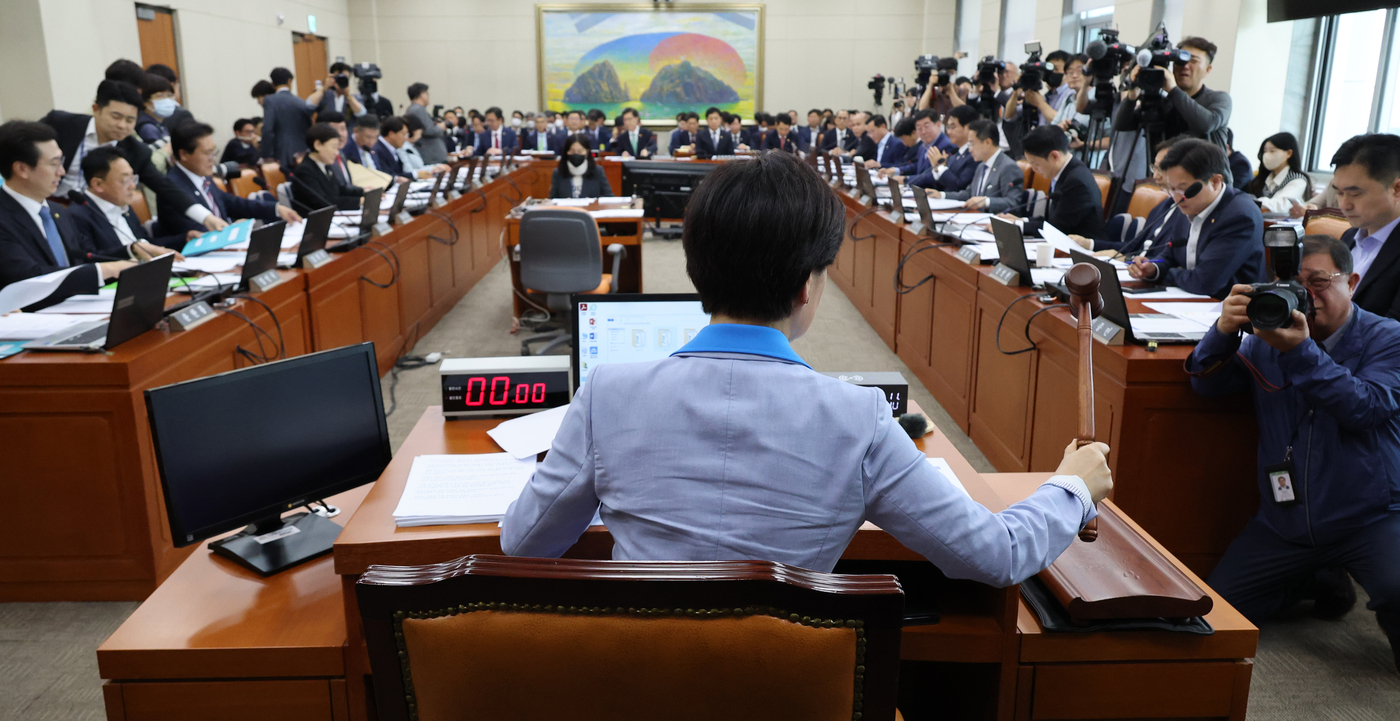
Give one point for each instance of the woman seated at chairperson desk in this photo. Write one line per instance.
(578, 175)
(734, 448)
(314, 183)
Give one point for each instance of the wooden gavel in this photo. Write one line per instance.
(1085, 302)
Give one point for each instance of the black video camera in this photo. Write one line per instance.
(877, 84)
(1153, 59)
(1033, 71)
(987, 71)
(1107, 56)
(369, 75)
(1271, 304)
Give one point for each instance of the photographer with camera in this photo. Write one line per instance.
(1225, 244)
(1326, 393)
(1042, 86)
(940, 93)
(1183, 104)
(334, 94)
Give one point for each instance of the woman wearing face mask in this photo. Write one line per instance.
(577, 175)
(1281, 179)
(159, 96)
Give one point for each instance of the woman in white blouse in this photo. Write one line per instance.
(1280, 180)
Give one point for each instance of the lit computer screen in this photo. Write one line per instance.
(628, 328)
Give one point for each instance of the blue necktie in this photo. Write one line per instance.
(60, 255)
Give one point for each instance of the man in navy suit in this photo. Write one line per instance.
(884, 147)
(839, 139)
(497, 139)
(108, 229)
(600, 130)
(1225, 243)
(919, 169)
(1076, 205)
(286, 118)
(36, 237)
(634, 141)
(810, 135)
(714, 139)
(781, 137)
(684, 137)
(193, 148)
(953, 170)
(543, 137)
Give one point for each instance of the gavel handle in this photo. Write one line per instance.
(1090, 532)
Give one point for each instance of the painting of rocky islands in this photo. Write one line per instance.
(658, 60)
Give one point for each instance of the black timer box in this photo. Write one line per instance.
(511, 385)
(896, 389)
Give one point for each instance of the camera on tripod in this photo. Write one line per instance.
(1034, 70)
(1271, 304)
(877, 84)
(926, 65)
(1107, 55)
(369, 75)
(1153, 59)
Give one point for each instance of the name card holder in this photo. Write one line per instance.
(438, 202)
(381, 229)
(453, 194)
(190, 316)
(265, 281)
(1006, 275)
(316, 259)
(1107, 332)
(406, 217)
(917, 228)
(896, 217)
(968, 254)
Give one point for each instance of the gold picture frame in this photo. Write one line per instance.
(666, 18)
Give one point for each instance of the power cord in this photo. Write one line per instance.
(261, 356)
(851, 231)
(281, 340)
(914, 250)
(1027, 330)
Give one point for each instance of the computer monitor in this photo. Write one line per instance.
(313, 236)
(664, 186)
(631, 327)
(263, 246)
(242, 447)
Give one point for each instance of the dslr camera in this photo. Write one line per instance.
(1271, 304)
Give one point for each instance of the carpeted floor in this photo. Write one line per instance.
(1305, 669)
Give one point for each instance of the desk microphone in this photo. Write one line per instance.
(100, 258)
(77, 197)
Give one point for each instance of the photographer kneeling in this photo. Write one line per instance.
(1327, 399)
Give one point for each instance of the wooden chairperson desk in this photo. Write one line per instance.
(1183, 465)
(80, 481)
(626, 231)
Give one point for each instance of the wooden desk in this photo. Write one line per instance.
(626, 231)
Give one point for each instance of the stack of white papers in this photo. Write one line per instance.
(451, 489)
(28, 326)
(1204, 314)
(529, 435)
(617, 213)
(83, 304)
(217, 262)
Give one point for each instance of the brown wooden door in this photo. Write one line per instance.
(156, 29)
(310, 57)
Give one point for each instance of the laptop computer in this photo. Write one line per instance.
(263, 246)
(1011, 249)
(631, 327)
(863, 183)
(400, 198)
(1115, 308)
(138, 306)
(369, 215)
(313, 237)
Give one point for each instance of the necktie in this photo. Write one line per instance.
(209, 196)
(714, 136)
(981, 177)
(367, 155)
(496, 139)
(542, 139)
(633, 136)
(60, 255)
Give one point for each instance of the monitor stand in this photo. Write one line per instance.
(275, 544)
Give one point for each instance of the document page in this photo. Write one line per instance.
(465, 488)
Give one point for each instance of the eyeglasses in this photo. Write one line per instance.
(1321, 282)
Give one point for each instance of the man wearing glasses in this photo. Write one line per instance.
(1327, 400)
(1225, 244)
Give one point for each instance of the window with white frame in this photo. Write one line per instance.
(1357, 75)
(1092, 23)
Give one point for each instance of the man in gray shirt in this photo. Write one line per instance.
(1188, 106)
(431, 146)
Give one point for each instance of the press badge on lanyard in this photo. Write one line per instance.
(1280, 477)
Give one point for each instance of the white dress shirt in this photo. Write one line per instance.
(73, 179)
(198, 186)
(116, 216)
(1197, 223)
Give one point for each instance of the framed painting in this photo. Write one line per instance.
(659, 59)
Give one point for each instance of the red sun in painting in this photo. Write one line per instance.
(703, 51)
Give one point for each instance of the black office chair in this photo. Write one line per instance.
(561, 254)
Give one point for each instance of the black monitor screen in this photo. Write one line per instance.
(249, 444)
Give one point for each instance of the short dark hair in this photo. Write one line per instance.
(281, 76)
(575, 111)
(1044, 140)
(493, 110)
(1378, 153)
(965, 114)
(595, 114)
(905, 127)
(262, 89)
(712, 110)
(692, 116)
(98, 162)
(1199, 43)
(185, 136)
(163, 70)
(985, 130)
(926, 113)
(368, 121)
(416, 89)
(755, 232)
(391, 124)
(412, 123)
(1080, 58)
(330, 116)
(632, 112)
(115, 91)
(19, 143)
(878, 121)
(1341, 254)
(1060, 55)
(1200, 158)
(256, 119)
(153, 84)
(241, 123)
(339, 67)
(782, 118)
(815, 110)
(320, 133)
(730, 117)
(125, 71)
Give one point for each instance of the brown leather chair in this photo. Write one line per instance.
(1325, 221)
(272, 173)
(1107, 187)
(1033, 181)
(524, 638)
(1146, 196)
(245, 184)
(140, 208)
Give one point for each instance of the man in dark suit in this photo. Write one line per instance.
(243, 147)
(285, 120)
(714, 139)
(599, 128)
(1163, 223)
(1225, 243)
(1367, 180)
(37, 238)
(107, 227)
(574, 124)
(1076, 206)
(193, 148)
(880, 147)
(953, 170)
(634, 141)
(114, 116)
(918, 168)
(781, 137)
(393, 133)
(497, 139)
(684, 137)
(363, 140)
(839, 139)
(738, 139)
(811, 134)
(998, 184)
(543, 137)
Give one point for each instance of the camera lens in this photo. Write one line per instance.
(1272, 309)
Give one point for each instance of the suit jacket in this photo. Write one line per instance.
(553, 141)
(805, 136)
(1076, 207)
(1241, 169)
(239, 152)
(1379, 291)
(1229, 250)
(387, 159)
(945, 144)
(602, 136)
(681, 138)
(705, 147)
(1004, 189)
(894, 153)
(865, 147)
(25, 253)
(1165, 224)
(957, 172)
(286, 119)
(848, 140)
(645, 139)
(431, 145)
(483, 142)
(231, 207)
(594, 186)
(771, 141)
(72, 126)
(96, 234)
(312, 189)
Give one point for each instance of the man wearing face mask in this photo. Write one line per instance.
(1225, 245)
(577, 175)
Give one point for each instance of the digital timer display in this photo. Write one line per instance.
(489, 393)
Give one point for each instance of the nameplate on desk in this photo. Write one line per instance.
(453, 195)
(316, 259)
(1107, 332)
(190, 316)
(896, 217)
(1006, 275)
(381, 229)
(437, 203)
(917, 227)
(968, 254)
(405, 217)
(265, 281)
